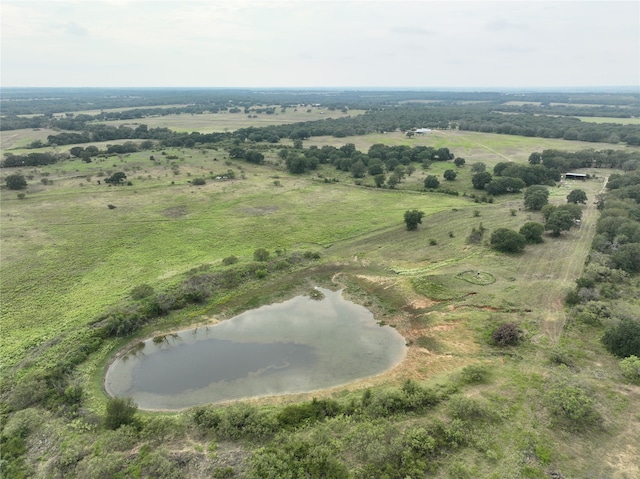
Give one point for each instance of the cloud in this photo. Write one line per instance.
(73, 28)
(501, 25)
(411, 31)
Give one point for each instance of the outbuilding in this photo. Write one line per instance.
(575, 176)
(422, 131)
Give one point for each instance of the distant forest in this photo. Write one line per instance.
(535, 114)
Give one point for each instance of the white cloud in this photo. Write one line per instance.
(316, 43)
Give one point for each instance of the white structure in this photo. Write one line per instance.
(422, 131)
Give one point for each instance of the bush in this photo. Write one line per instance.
(413, 218)
(475, 374)
(16, 181)
(120, 411)
(431, 182)
(508, 241)
(532, 232)
(198, 182)
(229, 260)
(631, 369)
(141, 291)
(571, 404)
(507, 334)
(261, 254)
(623, 340)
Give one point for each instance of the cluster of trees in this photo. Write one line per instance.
(101, 132)
(379, 159)
(618, 228)
(602, 294)
(510, 177)
(547, 126)
(557, 219)
(252, 156)
(31, 159)
(564, 161)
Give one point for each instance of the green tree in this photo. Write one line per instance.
(574, 210)
(413, 218)
(478, 167)
(450, 175)
(480, 180)
(431, 181)
(532, 232)
(253, 156)
(535, 197)
(459, 162)
(358, 169)
(558, 222)
(627, 257)
(499, 186)
(379, 179)
(535, 158)
(623, 340)
(16, 181)
(577, 196)
(120, 411)
(375, 167)
(507, 241)
(116, 179)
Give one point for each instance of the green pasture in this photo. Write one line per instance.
(225, 121)
(606, 119)
(66, 258)
(490, 148)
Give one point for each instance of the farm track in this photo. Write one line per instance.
(555, 267)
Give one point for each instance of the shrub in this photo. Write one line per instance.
(532, 232)
(413, 218)
(261, 254)
(631, 368)
(141, 291)
(229, 260)
(508, 241)
(623, 340)
(475, 374)
(507, 334)
(16, 181)
(198, 182)
(571, 404)
(120, 411)
(469, 409)
(431, 182)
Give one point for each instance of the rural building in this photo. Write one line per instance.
(422, 131)
(575, 176)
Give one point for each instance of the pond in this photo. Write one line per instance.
(300, 345)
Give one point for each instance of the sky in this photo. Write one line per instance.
(311, 43)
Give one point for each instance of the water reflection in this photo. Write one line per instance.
(296, 346)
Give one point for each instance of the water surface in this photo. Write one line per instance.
(299, 345)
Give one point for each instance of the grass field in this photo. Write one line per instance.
(66, 257)
(225, 121)
(604, 119)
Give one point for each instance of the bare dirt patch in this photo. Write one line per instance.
(175, 212)
(259, 210)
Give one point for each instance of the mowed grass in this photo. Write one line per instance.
(490, 148)
(606, 119)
